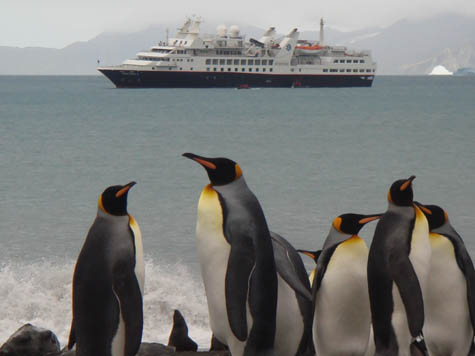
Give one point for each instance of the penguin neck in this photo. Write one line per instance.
(103, 215)
(335, 237)
(237, 185)
(407, 211)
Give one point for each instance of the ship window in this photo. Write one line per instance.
(271, 62)
(250, 62)
(222, 61)
(215, 61)
(300, 70)
(244, 69)
(348, 61)
(270, 69)
(361, 60)
(342, 70)
(236, 62)
(348, 70)
(342, 61)
(229, 69)
(181, 68)
(207, 69)
(264, 62)
(257, 69)
(361, 70)
(214, 69)
(208, 61)
(333, 70)
(368, 70)
(257, 62)
(250, 69)
(263, 69)
(191, 68)
(236, 69)
(355, 61)
(222, 69)
(243, 62)
(229, 61)
(292, 70)
(153, 67)
(355, 70)
(325, 70)
(335, 61)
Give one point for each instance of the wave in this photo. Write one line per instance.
(40, 293)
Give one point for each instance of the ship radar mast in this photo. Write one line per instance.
(321, 32)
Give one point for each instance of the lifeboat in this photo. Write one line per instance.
(309, 49)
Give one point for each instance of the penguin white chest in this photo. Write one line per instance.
(213, 251)
(342, 319)
(420, 254)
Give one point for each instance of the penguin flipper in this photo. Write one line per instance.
(127, 289)
(410, 291)
(240, 265)
(289, 265)
(72, 336)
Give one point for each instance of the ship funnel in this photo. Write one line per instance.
(268, 35)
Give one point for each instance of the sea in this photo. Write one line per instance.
(309, 155)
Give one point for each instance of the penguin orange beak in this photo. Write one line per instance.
(125, 189)
(200, 160)
(369, 219)
(308, 253)
(407, 183)
(423, 208)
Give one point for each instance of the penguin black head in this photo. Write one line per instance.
(436, 216)
(114, 199)
(352, 223)
(401, 193)
(220, 170)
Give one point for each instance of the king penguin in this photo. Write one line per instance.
(342, 318)
(237, 260)
(108, 282)
(449, 303)
(398, 267)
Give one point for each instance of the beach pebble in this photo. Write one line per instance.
(30, 340)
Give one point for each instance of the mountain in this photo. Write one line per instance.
(406, 47)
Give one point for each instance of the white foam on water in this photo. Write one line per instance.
(40, 293)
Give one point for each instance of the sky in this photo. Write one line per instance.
(58, 23)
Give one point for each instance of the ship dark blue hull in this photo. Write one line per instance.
(174, 79)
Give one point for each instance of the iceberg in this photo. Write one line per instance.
(440, 70)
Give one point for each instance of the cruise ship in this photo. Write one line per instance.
(192, 59)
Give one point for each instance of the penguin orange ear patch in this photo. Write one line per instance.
(337, 223)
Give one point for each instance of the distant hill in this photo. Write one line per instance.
(406, 47)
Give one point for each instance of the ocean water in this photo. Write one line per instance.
(308, 155)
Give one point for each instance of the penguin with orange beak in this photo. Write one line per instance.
(108, 282)
(342, 319)
(398, 268)
(449, 303)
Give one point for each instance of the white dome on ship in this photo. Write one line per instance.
(234, 31)
(221, 30)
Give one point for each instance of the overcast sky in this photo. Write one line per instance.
(57, 23)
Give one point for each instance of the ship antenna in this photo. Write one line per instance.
(321, 31)
(166, 34)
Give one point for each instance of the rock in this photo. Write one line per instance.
(154, 349)
(30, 340)
(179, 335)
(217, 345)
